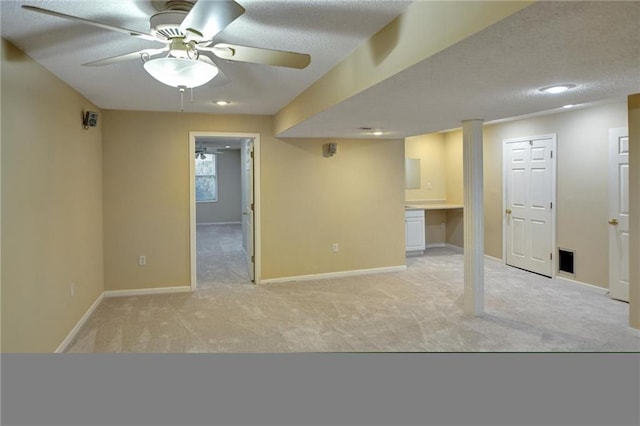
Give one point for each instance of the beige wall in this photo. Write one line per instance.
(582, 181)
(453, 161)
(430, 150)
(311, 201)
(455, 195)
(51, 206)
(146, 203)
(308, 201)
(228, 207)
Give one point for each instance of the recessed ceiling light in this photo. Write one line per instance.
(559, 88)
(377, 133)
(227, 146)
(568, 106)
(222, 103)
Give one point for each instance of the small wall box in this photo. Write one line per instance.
(89, 119)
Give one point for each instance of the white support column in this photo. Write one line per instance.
(473, 217)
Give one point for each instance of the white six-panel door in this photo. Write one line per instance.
(619, 214)
(529, 196)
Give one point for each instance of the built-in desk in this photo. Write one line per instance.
(424, 230)
(425, 207)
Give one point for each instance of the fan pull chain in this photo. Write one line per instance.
(182, 88)
(181, 98)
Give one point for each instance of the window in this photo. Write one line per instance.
(206, 178)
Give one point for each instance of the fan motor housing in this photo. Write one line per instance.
(167, 23)
(183, 5)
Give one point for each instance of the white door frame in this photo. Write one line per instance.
(247, 204)
(192, 199)
(505, 142)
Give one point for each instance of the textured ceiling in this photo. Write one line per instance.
(496, 73)
(492, 75)
(327, 29)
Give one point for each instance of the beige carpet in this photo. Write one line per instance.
(220, 258)
(416, 310)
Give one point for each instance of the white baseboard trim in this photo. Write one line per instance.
(497, 259)
(115, 293)
(436, 245)
(457, 249)
(147, 291)
(444, 245)
(72, 334)
(594, 287)
(460, 250)
(218, 223)
(340, 274)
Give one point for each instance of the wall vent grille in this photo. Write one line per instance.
(566, 261)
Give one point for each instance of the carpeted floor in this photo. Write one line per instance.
(418, 310)
(220, 258)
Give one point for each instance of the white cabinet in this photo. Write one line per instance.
(414, 231)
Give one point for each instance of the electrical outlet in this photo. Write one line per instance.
(72, 289)
(335, 247)
(142, 260)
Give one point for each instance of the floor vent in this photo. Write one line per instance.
(566, 261)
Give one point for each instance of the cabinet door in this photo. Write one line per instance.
(414, 230)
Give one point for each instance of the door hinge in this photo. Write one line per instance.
(252, 207)
(551, 154)
(551, 205)
(550, 256)
(251, 154)
(253, 259)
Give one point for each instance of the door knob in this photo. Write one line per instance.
(508, 211)
(613, 222)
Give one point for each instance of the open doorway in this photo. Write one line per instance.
(223, 208)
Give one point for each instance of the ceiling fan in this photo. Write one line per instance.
(187, 29)
(202, 151)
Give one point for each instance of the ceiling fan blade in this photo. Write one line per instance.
(280, 58)
(90, 22)
(125, 57)
(207, 18)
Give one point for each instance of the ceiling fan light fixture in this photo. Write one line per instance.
(181, 72)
